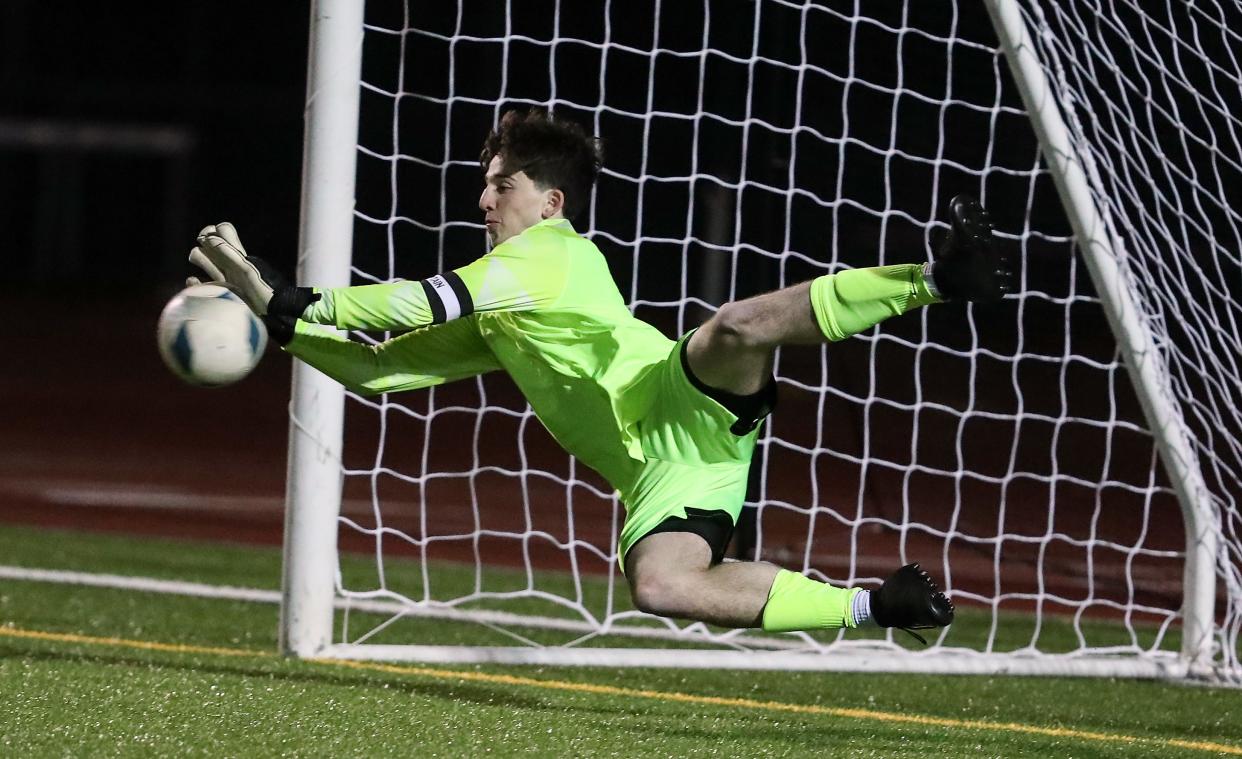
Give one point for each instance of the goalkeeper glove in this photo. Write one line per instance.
(968, 266)
(201, 261)
(268, 292)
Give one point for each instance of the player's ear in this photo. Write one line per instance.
(554, 203)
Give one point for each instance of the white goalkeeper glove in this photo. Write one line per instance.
(201, 261)
(221, 249)
(268, 293)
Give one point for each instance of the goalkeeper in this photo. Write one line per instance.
(670, 424)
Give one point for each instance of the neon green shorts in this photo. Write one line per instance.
(693, 460)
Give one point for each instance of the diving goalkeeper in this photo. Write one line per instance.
(671, 424)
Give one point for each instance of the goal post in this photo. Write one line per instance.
(317, 409)
(1101, 249)
(1086, 523)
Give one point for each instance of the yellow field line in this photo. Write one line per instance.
(654, 695)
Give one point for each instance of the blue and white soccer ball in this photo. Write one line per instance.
(209, 337)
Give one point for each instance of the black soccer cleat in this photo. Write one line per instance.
(968, 266)
(910, 600)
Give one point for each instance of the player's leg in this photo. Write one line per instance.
(699, 442)
(671, 574)
(679, 575)
(734, 350)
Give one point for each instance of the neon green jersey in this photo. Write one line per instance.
(543, 307)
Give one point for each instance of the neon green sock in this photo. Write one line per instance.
(796, 602)
(848, 302)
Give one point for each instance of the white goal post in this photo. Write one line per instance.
(1095, 239)
(1086, 524)
(316, 413)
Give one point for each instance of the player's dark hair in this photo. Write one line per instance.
(555, 153)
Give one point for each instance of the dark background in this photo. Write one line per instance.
(156, 118)
(124, 128)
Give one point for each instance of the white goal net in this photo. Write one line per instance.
(750, 146)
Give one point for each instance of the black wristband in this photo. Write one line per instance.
(291, 301)
(280, 328)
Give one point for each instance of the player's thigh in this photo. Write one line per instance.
(735, 349)
(697, 464)
(689, 424)
(674, 497)
(713, 528)
(663, 569)
(718, 360)
(668, 553)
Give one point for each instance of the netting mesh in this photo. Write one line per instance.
(753, 146)
(1150, 96)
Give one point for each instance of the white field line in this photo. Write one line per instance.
(425, 611)
(786, 653)
(129, 495)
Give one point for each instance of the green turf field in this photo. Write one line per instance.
(100, 672)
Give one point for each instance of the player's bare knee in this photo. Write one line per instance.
(735, 327)
(656, 594)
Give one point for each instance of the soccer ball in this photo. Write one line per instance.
(209, 337)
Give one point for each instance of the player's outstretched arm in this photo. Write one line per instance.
(518, 275)
(417, 359)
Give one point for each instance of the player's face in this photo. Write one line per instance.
(511, 203)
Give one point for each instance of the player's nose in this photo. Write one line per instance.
(485, 202)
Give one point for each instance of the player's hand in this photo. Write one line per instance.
(202, 262)
(969, 265)
(221, 248)
(268, 292)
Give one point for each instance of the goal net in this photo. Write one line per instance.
(751, 146)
